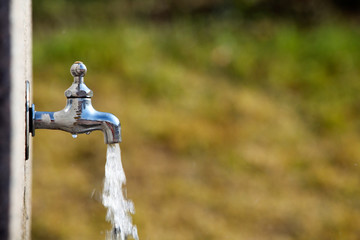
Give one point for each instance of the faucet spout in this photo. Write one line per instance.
(79, 116)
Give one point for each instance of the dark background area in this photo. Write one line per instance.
(303, 12)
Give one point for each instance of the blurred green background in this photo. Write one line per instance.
(240, 119)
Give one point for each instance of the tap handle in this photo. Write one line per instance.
(78, 89)
(78, 69)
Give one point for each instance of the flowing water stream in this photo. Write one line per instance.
(114, 197)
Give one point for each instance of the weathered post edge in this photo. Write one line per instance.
(15, 69)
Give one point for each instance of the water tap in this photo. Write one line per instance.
(78, 116)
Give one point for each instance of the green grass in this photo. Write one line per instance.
(230, 131)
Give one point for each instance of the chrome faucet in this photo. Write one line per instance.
(78, 116)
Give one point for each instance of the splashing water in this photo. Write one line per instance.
(118, 207)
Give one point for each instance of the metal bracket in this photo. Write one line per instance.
(29, 112)
(27, 103)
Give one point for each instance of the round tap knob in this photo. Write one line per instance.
(78, 69)
(78, 89)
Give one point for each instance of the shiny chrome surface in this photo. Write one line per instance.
(79, 116)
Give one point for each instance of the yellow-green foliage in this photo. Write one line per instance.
(230, 131)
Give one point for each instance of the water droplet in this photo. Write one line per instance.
(87, 133)
(74, 135)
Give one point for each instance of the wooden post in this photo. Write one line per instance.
(15, 69)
